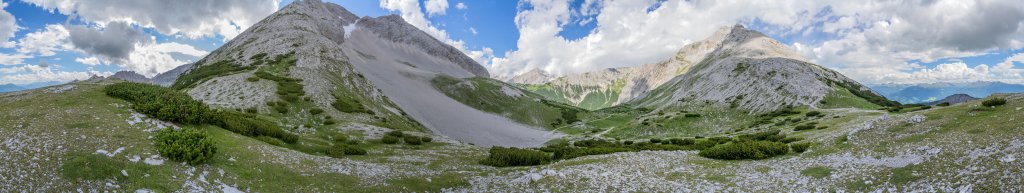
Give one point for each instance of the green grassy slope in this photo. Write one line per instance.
(51, 138)
(494, 96)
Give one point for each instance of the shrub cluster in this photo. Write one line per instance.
(390, 139)
(188, 145)
(771, 135)
(348, 105)
(815, 114)
(204, 72)
(250, 125)
(746, 150)
(994, 102)
(412, 140)
(801, 147)
(510, 156)
(943, 104)
(162, 103)
(170, 105)
(342, 150)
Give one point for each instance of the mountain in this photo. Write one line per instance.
(162, 79)
(735, 66)
(954, 99)
(613, 86)
(130, 76)
(371, 70)
(920, 93)
(750, 71)
(10, 88)
(535, 76)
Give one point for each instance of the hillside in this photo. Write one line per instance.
(751, 72)
(48, 132)
(365, 70)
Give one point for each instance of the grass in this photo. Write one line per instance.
(82, 166)
(490, 96)
(817, 172)
(843, 98)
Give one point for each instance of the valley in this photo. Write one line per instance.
(314, 98)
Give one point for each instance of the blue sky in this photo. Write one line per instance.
(886, 41)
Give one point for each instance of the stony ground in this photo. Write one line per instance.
(963, 148)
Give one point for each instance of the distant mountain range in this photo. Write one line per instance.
(928, 92)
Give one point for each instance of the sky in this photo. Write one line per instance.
(913, 41)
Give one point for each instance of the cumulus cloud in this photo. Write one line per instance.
(461, 6)
(152, 59)
(7, 27)
(45, 42)
(868, 41)
(436, 7)
(13, 59)
(960, 72)
(89, 61)
(191, 18)
(114, 41)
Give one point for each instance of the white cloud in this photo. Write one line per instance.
(45, 42)
(7, 26)
(13, 59)
(152, 59)
(35, 74)
(436, 7)
(92, 61)
(461, 6)
(191, 18)
(960, 72)
(472, 30)
(866, 40)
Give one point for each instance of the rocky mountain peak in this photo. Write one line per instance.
(535, 76)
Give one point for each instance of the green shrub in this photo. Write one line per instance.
(395, 133)
(655, 140)
(352, 150)
(801, 147)
(252, 79)
(943, 104)
(592, 143)
(329, 122)
(426, 139)
(804, 127)
(316, 111)
(994, 102)
(569, 153)
(161, 103)
(281, 108)
(770, 135)
(188, 145)
(250, 125)
(251, 110)
(412, 140)
(745, 150)
(505, 157)
(336, 151)
(814, 114)
(390, 139)
(627, 142)
(791, 139)
(340, 138)
(200, 73)
(691, 115)
(90, 167)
